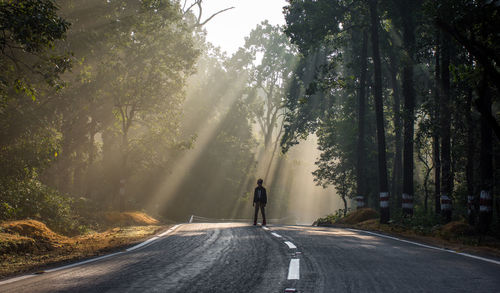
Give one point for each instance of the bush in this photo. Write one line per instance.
(30, 199)
(421, 222)
(329, 219)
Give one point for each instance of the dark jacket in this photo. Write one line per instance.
(263, 195)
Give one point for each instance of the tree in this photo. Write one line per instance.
(408, 10)
(379, 112)
(361, 152)
(269, 79)
(30, 30)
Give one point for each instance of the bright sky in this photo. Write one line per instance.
(228, 29)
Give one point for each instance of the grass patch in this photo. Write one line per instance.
(129, 219)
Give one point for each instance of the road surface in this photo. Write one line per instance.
(236, 257)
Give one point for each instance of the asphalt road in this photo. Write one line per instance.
(235, 257)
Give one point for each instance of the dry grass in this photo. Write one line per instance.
(456, 229)
(358, 216)
(129, 219)
(29, 245)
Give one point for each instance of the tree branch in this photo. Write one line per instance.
(212, 16)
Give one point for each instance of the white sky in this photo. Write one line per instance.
(228, 29)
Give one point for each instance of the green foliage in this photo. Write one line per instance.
(118, 116)
(29, 154)
(330, 219)
(422, 222)
(32, 199)
(30, 30)
(270, 78)
(311, 23)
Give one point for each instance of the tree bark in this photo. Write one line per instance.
(409, 106)
(469, 168)
(396, 108)
(379, 113)
(485, 160)
(436, 131)
(445, 113)
(361, 190)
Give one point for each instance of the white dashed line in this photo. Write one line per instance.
(265, 228)
(427, 246)
(294, 269)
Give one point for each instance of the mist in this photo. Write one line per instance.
(131, 108)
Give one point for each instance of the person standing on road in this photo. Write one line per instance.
(260, 201)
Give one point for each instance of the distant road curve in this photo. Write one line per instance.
(238, 257)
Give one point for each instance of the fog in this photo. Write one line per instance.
(131, 108)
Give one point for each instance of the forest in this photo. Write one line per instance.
(116, 105)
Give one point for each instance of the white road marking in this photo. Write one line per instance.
(276, 235)
(92, 259)
(294, 269)
(83, 262)
(142, 244)
(152, 239)
(428, 246)
(16, 279)
(265, 228)
(290, 245)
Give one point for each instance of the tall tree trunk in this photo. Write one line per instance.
(436, 153)
(485, 160)
(396, 108)
(445, 113)
(469, 168)
(361, 190)
(379, 113)
(409, 106)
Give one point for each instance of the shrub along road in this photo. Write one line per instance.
(233, 257)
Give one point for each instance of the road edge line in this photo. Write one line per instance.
(140, 245)
(427, 246)
(149, 241)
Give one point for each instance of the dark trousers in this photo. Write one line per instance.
(262, 206)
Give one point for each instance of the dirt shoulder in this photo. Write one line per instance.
(29, 246)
